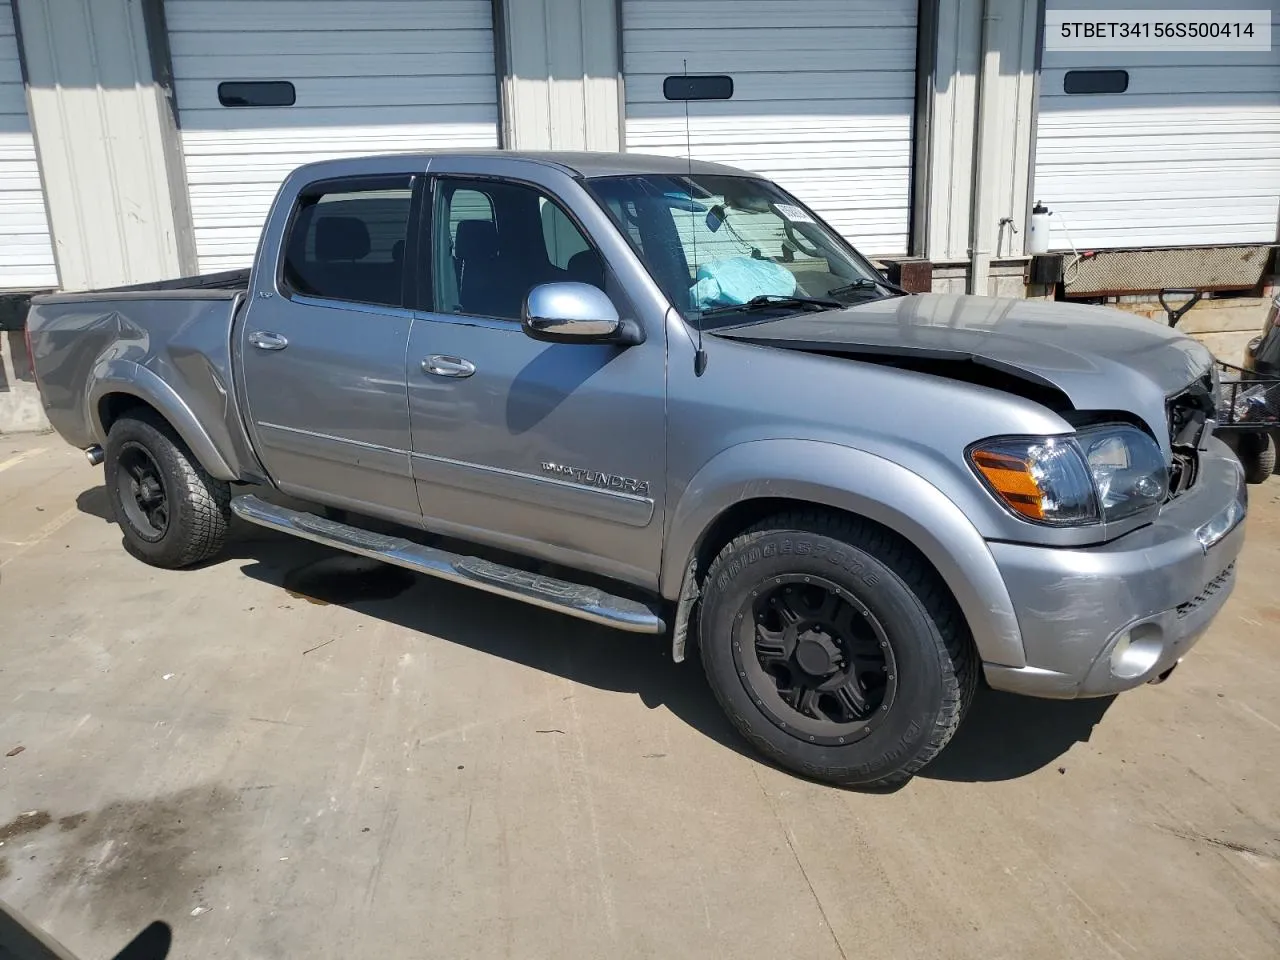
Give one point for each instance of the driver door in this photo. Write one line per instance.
(550, 449)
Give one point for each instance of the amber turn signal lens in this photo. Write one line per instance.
(1011, 478)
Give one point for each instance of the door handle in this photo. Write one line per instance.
(442, 366)
(265, 340)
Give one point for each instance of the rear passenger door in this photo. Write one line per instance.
(323, 346)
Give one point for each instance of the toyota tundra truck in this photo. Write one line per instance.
(664, 396)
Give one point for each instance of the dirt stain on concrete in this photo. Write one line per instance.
(134, 860)
(24, 823)
(346, 579)
(5, 869)
(1238, 846)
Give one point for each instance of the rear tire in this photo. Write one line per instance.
(1257, 453)
(835, 649)
(171, 512)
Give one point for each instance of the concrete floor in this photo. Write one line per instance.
(439, 773)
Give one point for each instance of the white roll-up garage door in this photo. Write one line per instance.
(1177, 148)
(824, 94)
(364, 76)
(26, 255)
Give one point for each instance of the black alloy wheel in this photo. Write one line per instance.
(815, 659)
(171, 511)
(141, 491)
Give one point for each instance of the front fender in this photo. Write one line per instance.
(864, 484)
(125, 376)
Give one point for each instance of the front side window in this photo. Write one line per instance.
(347, 242)
(714, 242)
(495, 241)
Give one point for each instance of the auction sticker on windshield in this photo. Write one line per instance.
(1236, 31)
(793, 213)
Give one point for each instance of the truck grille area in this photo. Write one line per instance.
(1189, 413)
(1205, 595)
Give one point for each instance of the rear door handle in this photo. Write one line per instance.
(265, 340)
(442, 366)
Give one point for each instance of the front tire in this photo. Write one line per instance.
(171, 512)
(835, 649)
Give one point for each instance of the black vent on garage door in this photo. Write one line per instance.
(1095, 81)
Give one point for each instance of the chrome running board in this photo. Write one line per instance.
(574, 599)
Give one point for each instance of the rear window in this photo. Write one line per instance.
(347, 242)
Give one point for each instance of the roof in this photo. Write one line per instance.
(577, 163)
(619, 164)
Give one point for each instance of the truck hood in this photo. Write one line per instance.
(1099, 359)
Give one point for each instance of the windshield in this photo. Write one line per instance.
(720, 244)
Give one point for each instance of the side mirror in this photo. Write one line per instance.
(576, 313)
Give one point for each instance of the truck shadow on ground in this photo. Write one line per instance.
(1006, 736)
(1002, 738)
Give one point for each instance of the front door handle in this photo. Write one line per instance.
(264, 340)
(442, 366)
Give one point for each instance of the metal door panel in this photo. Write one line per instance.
(328, 412)
(551, 449)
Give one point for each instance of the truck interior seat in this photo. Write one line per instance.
(585, 267)
(483, 288)
(341, 248)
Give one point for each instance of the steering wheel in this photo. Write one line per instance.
(812, 252)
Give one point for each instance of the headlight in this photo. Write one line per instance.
(1105, 473)
(1128, 470)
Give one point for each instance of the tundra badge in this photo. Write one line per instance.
(596, 478)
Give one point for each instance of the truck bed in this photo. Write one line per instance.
(225, 281)
(167, 342)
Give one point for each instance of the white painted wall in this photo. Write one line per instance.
(561, 90)
(100, 122)
(1009, 110)
(26, 252)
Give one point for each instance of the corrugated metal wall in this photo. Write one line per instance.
(26, 253)
(104, 133)
(371, 76)
(561, 91)
(824, 94)
(1188, 155)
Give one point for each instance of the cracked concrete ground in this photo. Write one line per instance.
(290, 754)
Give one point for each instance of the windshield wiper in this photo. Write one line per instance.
(865, 283)
(768, 300)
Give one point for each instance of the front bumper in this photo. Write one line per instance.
(1099, 620)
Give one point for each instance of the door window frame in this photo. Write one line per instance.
(416, 183)
(424, 301)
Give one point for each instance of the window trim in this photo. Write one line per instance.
(426, 303)
(369, 182)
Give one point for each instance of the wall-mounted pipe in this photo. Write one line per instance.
(988, 86)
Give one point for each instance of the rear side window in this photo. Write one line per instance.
(346, 241)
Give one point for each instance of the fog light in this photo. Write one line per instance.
(1137, 651)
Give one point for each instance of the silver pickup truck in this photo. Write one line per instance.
(665, 396)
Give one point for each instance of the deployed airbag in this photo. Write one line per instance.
(737, 279)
